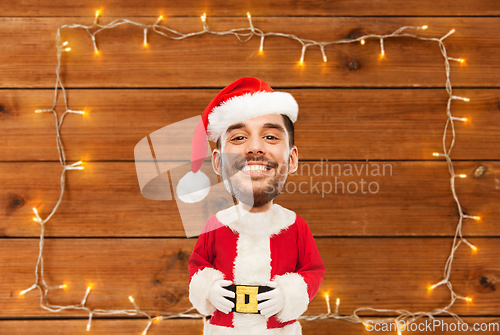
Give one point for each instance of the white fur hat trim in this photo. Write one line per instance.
(247, 106)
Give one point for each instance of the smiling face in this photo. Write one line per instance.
(256, 159)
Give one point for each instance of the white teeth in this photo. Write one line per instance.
(254, 168)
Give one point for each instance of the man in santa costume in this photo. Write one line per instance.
(255, 266)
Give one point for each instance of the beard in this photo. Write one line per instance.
(253, 191)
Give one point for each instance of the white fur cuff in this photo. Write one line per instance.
(294, 289)
(199, 289)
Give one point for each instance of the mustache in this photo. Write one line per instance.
(243, 160)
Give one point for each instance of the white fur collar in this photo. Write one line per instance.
(267, 223)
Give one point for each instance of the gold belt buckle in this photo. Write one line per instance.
(246, 299)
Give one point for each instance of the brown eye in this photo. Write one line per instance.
(238, 138)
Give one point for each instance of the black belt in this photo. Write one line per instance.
(246, 297)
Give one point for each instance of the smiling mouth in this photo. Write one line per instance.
(255, 168)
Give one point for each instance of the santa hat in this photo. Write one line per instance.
(244, 99)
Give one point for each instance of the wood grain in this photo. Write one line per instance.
(376, 272)
(333, 124)
(105, 200)
(29, 59)
(381, 250)
(125, 327)
(257, 8)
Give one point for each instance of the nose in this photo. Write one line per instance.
(255, 146)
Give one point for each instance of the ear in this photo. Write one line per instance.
(216, 161)
(294, 159)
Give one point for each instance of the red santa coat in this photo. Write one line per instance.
(253, 249)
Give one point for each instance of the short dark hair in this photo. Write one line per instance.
(289, 128)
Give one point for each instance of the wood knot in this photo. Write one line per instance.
(479, 171)
(171, 299)
(486, 282)
(181, 255)
(354, 34)
(353, 65)
(15, 201)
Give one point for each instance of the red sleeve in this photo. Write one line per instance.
(202, 274)
(300, 287)
(203, 253)
(310, 265)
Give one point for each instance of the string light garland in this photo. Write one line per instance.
(244, 35)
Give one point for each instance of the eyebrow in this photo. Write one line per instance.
(268, 125)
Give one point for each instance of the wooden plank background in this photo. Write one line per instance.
(381, 249)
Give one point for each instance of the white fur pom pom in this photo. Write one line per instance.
(193, 187)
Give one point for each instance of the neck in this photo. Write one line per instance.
(260, 209)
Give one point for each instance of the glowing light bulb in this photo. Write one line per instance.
(425, 27)
(65, 43)
(476, 217)
(131, 299)
(435, 154)
(88, 327)
(382, 53)
(203, 17)
(160, 18)
(338, 302)
(462, 175)
(249, 16)
(37, 217)
(362, 42)
(67, 49)
(97, 13)
(324, 59)
(96, 52)
(473, 247)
